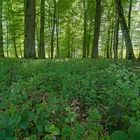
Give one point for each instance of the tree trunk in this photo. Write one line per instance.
(14, 43)
(68, 41)
(85, 30)
(37, 31)
(97, 29)
(30, 16)
(1, 32)
(20, 48)
(7, 39)
(122, 46)
(57, 33)
(53, 30)
(111, 38)
(41, 49)
(108, 43)
(129, 15)
(125, 30)
(116, 34)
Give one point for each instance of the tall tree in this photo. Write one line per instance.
(53, 29)
(95, 45)
(116, 34)
(129, 14)
(30, 16)
(1, 32)
(68, 35)
(125, 30)
(13, 30)
(41, 49)
(14, 43)
(57, 34)
(108, 42)
(85, 29)
(7, 39)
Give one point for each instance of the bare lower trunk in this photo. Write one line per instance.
(116, 35)
(14, 43)
(1, 32)
(85, 30)
(41, 49)
(108, 43)
(53, 30)
(57, 33)
(97, 30)
(29, 42)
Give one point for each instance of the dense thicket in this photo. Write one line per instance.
(69, 28)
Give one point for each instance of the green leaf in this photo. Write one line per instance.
(49, 137)
(32, 137)
(80, 129)
(66, 131)
(119, 135)
(40, 127)
(94, 114)
(52, 129)
(2, 134)
(4, 118)
(134, 132)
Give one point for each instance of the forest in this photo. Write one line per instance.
(69, 70)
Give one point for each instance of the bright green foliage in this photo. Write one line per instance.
(69, 99)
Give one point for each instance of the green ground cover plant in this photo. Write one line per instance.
(69, 99)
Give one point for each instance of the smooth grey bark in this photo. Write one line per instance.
(1, 32)
(29, 31)
(125, 30)
(95, 45)
(41, 49)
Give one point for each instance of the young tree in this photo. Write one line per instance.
(30, 16)
(41, 49)
(95, 45)
(125, 30)
(1, 32)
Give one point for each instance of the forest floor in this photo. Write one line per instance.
(69, 99)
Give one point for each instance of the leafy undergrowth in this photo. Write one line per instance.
(69, 100)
